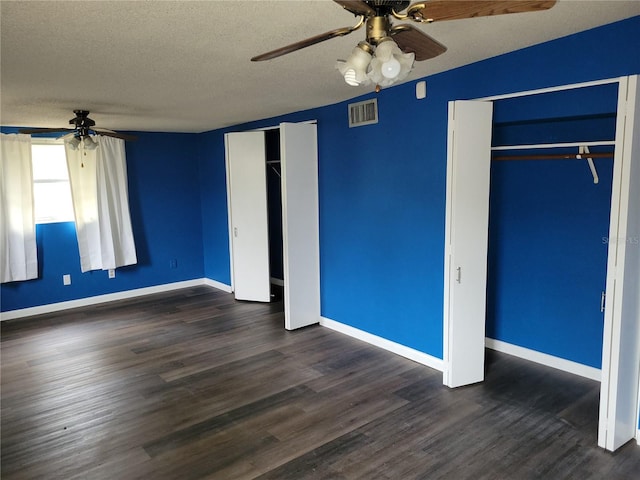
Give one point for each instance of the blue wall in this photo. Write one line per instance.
(215, 234)
(167, 226)
(382, 197)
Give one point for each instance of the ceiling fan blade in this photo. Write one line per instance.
(412, 40)
(357, 7)
(111, 133)
(44, 130)
(339, 32)
(438, 10)
(101, 130)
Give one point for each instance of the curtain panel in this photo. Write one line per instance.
(17, 223)
(98, 179)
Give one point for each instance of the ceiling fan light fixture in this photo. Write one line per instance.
(89, 143)
(390, 64)
(385, 49)
(354, 70)
(74, 143)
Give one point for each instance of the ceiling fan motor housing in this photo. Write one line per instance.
(385, 6)
(378, 26)
(82, 122)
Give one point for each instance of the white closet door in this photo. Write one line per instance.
(248, 221)
(621, 342)
(466, 239)
(300, 231)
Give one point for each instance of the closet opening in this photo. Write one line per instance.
(272, 192)
(549, 214)
(556, 282)
(274, 213)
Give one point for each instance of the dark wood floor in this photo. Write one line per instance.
(191, 385)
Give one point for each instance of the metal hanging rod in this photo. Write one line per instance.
(583, 154)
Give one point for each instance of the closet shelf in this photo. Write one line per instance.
(558, 156)
(554, 145)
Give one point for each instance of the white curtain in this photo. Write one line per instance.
(17, 223)
(98, 180)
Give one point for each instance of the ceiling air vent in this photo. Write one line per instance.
(363, 113)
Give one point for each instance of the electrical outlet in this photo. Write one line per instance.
(173, 263)
(66, 279)
(112, 273)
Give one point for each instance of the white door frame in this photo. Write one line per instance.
(621, 342)
(609, 436)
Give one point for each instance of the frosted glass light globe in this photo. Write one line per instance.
(391, 68)
(350, 77)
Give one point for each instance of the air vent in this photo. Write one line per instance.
(363, 113)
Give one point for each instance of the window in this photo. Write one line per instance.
(51, 189)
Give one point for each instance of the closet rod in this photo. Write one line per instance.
(558, 156)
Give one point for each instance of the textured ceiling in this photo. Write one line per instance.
(183, 66)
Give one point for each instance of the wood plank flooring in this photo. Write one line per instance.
(194, 385)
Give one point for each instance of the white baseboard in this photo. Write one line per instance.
(219, 285)
(544, 359)
(398, 349)
(109, 297)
